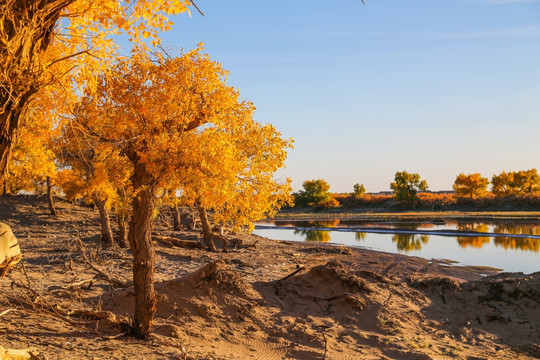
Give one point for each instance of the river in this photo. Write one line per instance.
(508, 246)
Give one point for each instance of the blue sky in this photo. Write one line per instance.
(434, 87)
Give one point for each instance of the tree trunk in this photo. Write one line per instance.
(187, 220)
(50, 199)
(122, 240)
(5, 189)
(176, 218)
(142, 247)
(207, 229)
(27, 30)
(107, 238)
(140, 239)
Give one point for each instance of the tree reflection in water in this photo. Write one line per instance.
(473, 227)
(513, 243)
(515, 228)
(314, 235)
(407, 225)
(473, 241)
(408, 242)
(360, 236)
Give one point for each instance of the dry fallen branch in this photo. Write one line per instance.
(171, 241)
(107, 337)
(300, 268)
(40, 304)
(117, 282)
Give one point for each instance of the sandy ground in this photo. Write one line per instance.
(339, 304)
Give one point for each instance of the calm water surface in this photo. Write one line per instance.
(506, 246)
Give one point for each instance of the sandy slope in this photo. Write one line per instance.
(341, 304)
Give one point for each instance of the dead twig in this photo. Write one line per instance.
(7, 311)
(325, 337)
(302, 267)
(47, 308)
(107, 277)
(79, 284)
(254, 245)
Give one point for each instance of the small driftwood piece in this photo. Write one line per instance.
(83, 284)
(300, 268)
(172, 241)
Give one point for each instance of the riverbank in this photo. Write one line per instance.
(266, 300)
(418, 216)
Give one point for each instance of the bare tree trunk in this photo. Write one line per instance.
(176, 218)
(187, 220)
(140, 239)
(107, 238)
(5, 189)
(50, 199)
(142, 247)
(207, 229)
(27, 30)
(123, 232)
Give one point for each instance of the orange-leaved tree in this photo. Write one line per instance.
(94, 171)
(43, 42)
(406, 187)
(147, 110)
(526, 181)
(33, 161)
(33, 157)
(516, 182)
(233, 172)
(501, 184)
(470, 185)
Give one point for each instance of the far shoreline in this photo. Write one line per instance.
(413, 215)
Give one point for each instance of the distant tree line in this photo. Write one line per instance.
(409, 190)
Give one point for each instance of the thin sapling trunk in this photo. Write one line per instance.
(207, 229)
(50, 199)
(107, 238)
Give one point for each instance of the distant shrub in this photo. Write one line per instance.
(406, 187)
(326, 205)
(435, 201)
(497, 202)
(359, 189)
(366, 201)
(471, 185)
(315, 192)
